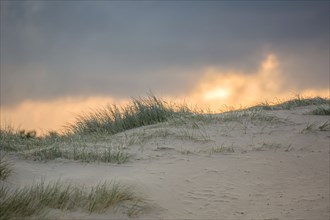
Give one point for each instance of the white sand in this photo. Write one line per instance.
(278, 170)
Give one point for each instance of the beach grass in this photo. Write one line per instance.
(325, 126)
(113, 119)
(36, 200)
(222, 149)
(321, 111)
(92, 137)
(5, 168)
(80, 153)
(299, 101)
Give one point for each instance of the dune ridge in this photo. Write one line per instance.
(264, 162)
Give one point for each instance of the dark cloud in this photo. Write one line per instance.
(55, 48)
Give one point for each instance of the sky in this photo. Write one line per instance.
(59, 58)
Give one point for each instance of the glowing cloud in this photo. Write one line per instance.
(217, 88)
(218, 93)
(52, 115)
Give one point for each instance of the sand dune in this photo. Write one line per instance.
(243, 165)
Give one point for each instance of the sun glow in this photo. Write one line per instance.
(44, 116)
(214, 91)
(217, 89)
(217, 93)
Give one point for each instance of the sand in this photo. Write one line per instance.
(249, 168)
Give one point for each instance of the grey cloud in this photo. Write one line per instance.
(52, 49)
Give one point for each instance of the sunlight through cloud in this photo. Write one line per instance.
(215, 91)
(218, 88)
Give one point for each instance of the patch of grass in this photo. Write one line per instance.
(34, 200)
(5, 168)
(9, 137)
(113, 119)
(193, 134)
(325, 126)
(103, 196)
(222, 149)
(313, 127)
(293, 103)
(88, 138)
(79, 152)
(86, 148)
(254, 115)
(321, 111)
(15, 140)
(308, 128)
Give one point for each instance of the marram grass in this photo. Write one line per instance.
(89, 139)
(293, 103)
(33, 201)
(321, 111)
(112, 119)
(5, 168)
(84, 154)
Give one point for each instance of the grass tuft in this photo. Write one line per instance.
(325, 126)
(112, 119)
(222, 149)
(5, 168)
(32, 201)
(103, 196)
(299, 101)
(90, 138)
(79, 152)
(321, 111)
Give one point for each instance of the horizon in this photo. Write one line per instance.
(59, 59)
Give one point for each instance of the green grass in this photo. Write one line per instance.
(253, 115)
(15, 140)
(80, 153)
(33, 201)
(293, 103)
(5, 168)
(113, 119)
(321, 111)
(91, 137)
(85, 148)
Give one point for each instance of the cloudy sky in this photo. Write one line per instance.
(216, 51)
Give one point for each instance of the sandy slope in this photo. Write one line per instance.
(248, 168)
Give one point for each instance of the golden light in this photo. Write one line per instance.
(218, 88)
(44, 116)
(218, 93)
(270, 63)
